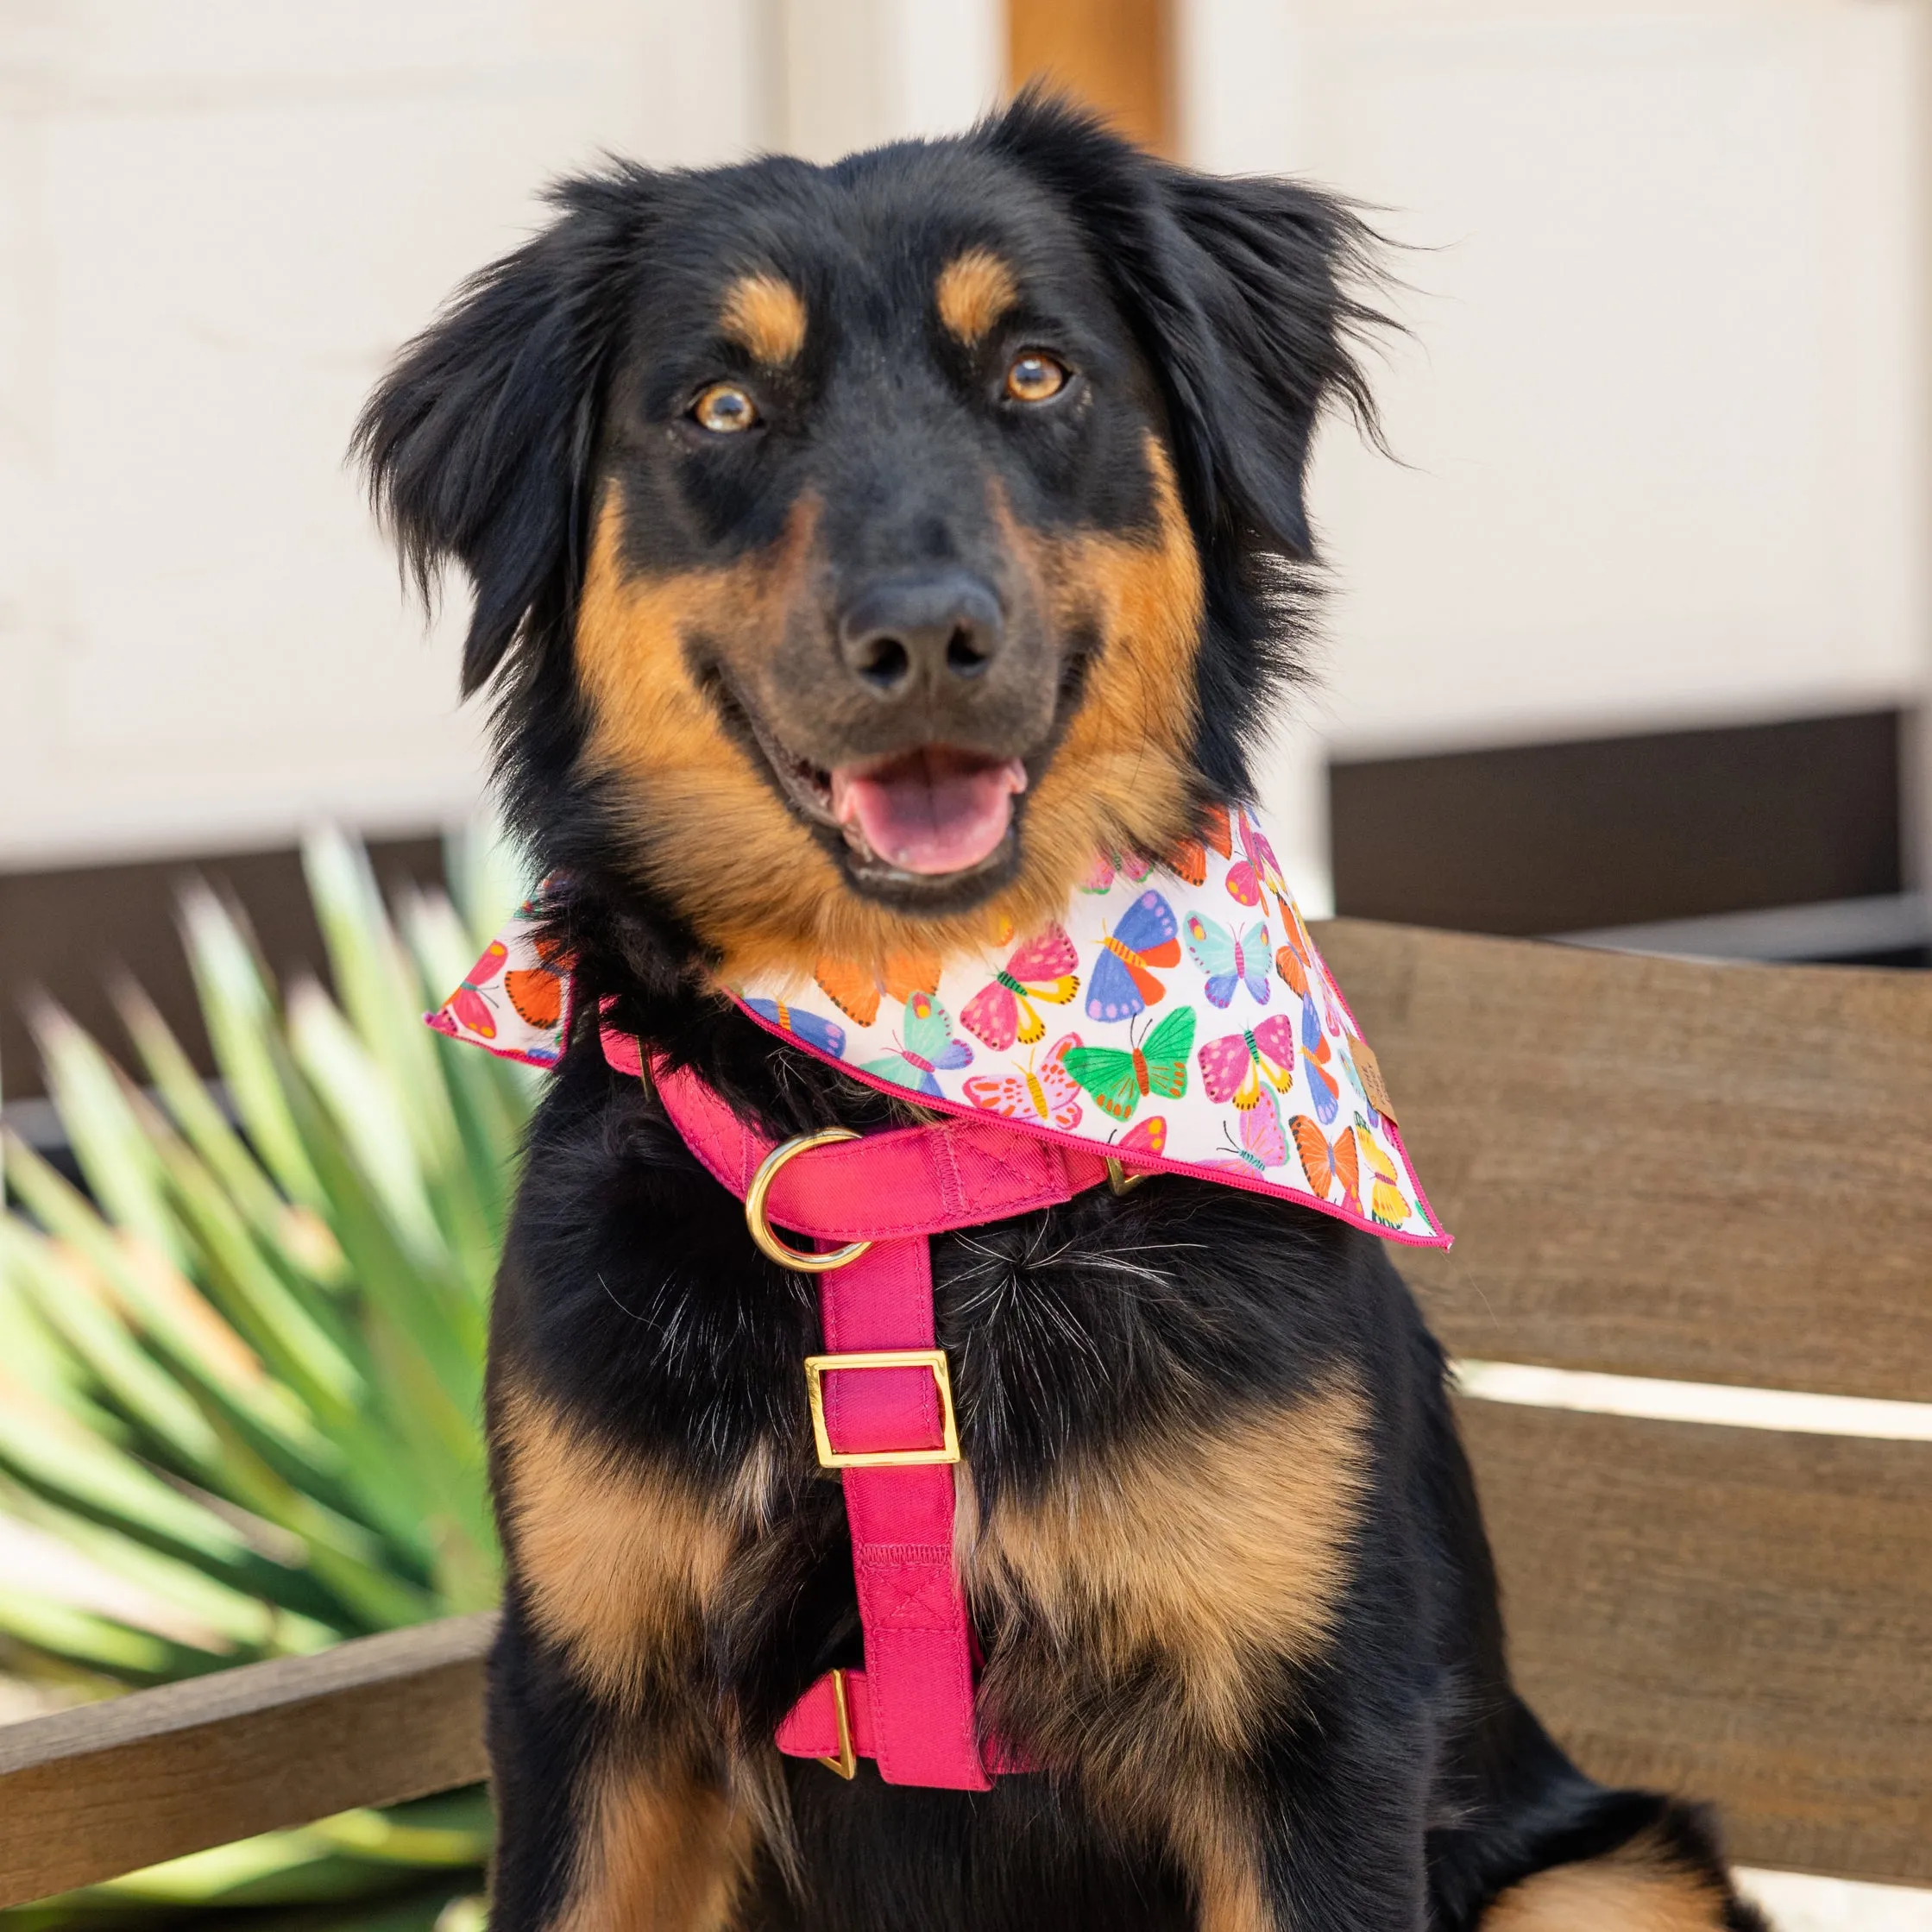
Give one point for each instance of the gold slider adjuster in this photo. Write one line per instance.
(816, 1367)
(846, 1763)
(1120, 1181)
(768, 1242)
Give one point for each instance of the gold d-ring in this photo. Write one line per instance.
(769, 1243)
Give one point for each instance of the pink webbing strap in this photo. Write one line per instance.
(912, 1706)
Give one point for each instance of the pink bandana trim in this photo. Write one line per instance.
(1178, 1017)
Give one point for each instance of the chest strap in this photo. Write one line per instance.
(881, 1399)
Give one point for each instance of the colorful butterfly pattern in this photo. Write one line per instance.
(1123, 983)
(1231, 1067)
(1328, 1164)
(1111, 866)
(827, 1036)
(537, 991)
(469, 1003)
(1041, 969)
(927, 1050)
(1256, 867)
(1263, 1144)
(1144, 1136)
(1304, 969)
(1189, 861)
(1228, 959)
(1119, 1079)
(856, 991)
(1292, 962)
(1386, 1202)
(1208, 1069)
(1048, 1095)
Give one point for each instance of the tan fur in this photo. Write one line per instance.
(707, 829)
(657, 1854)
(1152, 1601)
(1120, 777)
(1144, 1608)
(1221, 1861)
(755, 1494)
(974, 290)
(618, 1556)
(1634, 1889)
(1210, 1554)
(765, 316)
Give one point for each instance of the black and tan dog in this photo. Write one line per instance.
(856, 551)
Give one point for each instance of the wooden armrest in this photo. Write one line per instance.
(88, 1794)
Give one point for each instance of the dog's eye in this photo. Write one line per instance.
(1034, 376)
(724, 408)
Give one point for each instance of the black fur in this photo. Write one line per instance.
(1396, 1783)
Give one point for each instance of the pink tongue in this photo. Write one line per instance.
(932, 811)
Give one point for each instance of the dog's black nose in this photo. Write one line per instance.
(909, 633)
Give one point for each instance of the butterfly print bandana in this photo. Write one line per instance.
(1178, 1016)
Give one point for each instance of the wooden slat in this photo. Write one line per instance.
(1657, 1168)
(88, 1794)
(1731, 1614)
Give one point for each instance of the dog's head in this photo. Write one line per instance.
(864, 548)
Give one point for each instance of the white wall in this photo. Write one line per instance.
(853, 73)
(218, 218)
(1662, 418)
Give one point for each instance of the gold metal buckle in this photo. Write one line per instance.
(768, 1242)
(1120, 1181)
(846, 1763)
(815, 1369)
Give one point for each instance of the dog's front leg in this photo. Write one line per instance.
(1182, 1620)
(1321, 1830)
(605, 1749)
(607, 1818)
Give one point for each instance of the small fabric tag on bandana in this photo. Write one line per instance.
(1370, 1069)
(1177, 1017)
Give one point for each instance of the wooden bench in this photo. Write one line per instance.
(1706, 1175)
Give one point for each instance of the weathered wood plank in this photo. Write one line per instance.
(1657, 1168)
(1732, 1613)
(87, 1793)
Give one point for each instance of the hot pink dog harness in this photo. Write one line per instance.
(1253, 1075)
(881, 1401)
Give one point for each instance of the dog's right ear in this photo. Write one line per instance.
(478, 442)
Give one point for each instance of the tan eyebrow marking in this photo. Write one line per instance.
(975, 289)
(766, 315)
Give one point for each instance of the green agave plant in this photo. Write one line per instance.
(241, 1373)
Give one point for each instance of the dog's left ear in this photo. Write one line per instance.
(1246, 294)
(478, 442)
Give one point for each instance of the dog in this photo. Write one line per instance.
(856, 551)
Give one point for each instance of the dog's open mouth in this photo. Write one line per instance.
(934, 812)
